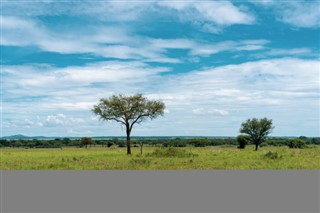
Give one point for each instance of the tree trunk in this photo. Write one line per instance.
(257, 146)
(128, 145)
(128, 141)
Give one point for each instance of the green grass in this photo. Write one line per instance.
(222, 157)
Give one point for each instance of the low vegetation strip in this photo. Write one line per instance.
(165, 158)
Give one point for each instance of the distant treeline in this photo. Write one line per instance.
(160, 142)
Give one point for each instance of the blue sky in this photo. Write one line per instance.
(213, 63)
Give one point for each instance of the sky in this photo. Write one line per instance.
(214, 64)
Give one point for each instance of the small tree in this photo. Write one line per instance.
(86, 141)
(257, 130)
(128, 110)
(243, 141)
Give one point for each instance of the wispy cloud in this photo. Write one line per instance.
(305, 14)
(206, 112)
(62, 120)
(72, 82)
(233, 46)
(111, 42)
(209, 15)
(273, 88)
(275, 52)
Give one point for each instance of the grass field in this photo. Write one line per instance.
(101, 158)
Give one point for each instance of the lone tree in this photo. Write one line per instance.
(128, 110)
(86, 141)
(257, 129)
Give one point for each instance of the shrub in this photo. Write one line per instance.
(296, 143)
(272, 155)
(264, 145)
(277, 142)
(121, 144)
(243, 140)
(200, 142)
(315, 141)
(179, 143)
(167, 144)
(109, 144)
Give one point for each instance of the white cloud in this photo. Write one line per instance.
(104, 72)
(280, 89)
(219, 13)
(197, 48)
(272, 88)
(301, 14)
(284, 52)
(103, 41)
(72, 88)
(173, 43)
(294, 51)
(126, 11)
(210, 49)
(80, 133)
(211, 16)
(304, 14)
(223, 13)
(111, 42)
(202, 111)
(61, 120)
(24, 123)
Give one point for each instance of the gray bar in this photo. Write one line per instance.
(160, 191)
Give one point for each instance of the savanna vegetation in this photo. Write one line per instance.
(159, 153)
(161, 158)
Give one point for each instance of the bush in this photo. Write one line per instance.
(109, 144)
(200, 142)
(277, 142)
(243, 140)
(296, 143)
(179, 143)
(121, 144)
(315, 141)
(272, 155)
(264, 145)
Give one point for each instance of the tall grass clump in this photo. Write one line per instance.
(140, 162)
(272, 155)
(171, 152)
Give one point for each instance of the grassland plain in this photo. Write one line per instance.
(207, 158)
